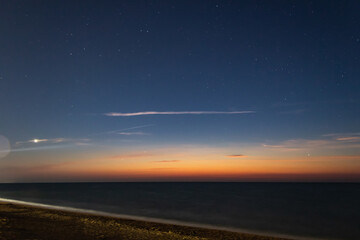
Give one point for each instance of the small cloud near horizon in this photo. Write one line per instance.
(131, 155)
(166, 161)
(236, 155)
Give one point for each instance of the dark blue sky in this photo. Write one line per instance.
(63, 64)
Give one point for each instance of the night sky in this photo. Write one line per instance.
(179, 91)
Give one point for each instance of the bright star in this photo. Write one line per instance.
(36, 140)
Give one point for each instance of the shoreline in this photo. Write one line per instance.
(186, 229)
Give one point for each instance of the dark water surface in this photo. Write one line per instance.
(320, 210)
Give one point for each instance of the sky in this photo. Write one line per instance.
(179, 91)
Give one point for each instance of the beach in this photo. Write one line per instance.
(18, 221)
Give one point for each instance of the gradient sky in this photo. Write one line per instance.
(179, 91)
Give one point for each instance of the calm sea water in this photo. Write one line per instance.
(320, 210)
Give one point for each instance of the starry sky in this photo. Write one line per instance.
(179, 91)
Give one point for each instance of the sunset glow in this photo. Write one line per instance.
(179, 91)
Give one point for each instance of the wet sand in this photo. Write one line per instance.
(18, 221)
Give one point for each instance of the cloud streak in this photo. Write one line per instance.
(235, 155)
(132, 114)
(36, 148)
(123, 130)
(331, 143)
(166, 161)
(344, 137)
(350, 139)
(131, 133)
(52, 141)
(137, 127)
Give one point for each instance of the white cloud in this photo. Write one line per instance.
(344, 137)
(349, 139)
(131, 133)
(119, 114)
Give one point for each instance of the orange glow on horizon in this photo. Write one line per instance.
(183, 167)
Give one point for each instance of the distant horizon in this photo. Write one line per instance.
(199, 181)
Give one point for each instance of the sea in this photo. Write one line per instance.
(299, 210)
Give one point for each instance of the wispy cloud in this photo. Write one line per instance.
(342, 134)
(38, 140)
(166, 161)
(35, 140)
(124, 130)
(131, 133)
(136, 127)
(330, 142)
(36, 148)
(119, 114)
(350, 139)
(299, 144)
(53, 140)
(236, 156)
(344, 137)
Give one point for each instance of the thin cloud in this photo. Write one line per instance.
(166, 161)
(298, 145)
(137, 127)
(349, 139)
(235, 155)
(119, 114)
(52, 140)
(132, 133)
(344, 137)
(35, 140)
(341, 134)
(36, 148)
(83, 144)
(123, 130)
